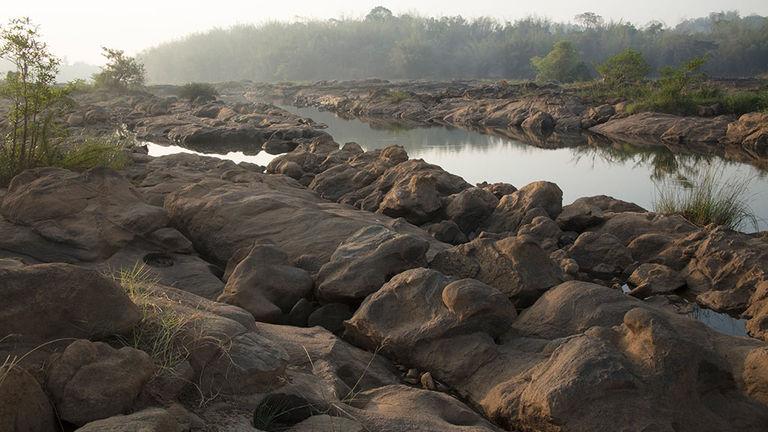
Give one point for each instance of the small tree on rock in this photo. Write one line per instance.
(561, 64)
(121, 72)
(625, 68)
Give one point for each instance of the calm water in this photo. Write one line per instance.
(624, 172)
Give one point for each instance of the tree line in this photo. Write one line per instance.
(385, 45)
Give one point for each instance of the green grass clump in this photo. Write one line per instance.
(397, 96)
(201, 92)
(705, 201)
(94, 152)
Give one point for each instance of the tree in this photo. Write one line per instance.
(625, 68)
(120, 72)
(30, 136)
(379, 13)
(589, 20)
(561, 64)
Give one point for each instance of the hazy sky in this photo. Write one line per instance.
(76, 29)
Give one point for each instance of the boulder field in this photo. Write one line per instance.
(351, 290)
(541, 115)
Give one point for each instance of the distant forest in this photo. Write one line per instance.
(384, 45)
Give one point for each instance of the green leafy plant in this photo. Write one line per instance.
(121, 72)
(30, 133)
(626, 68)
(678, 89)
(561, 64)
(107, 152)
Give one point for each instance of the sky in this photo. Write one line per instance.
(76, 29)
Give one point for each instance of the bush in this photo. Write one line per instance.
(94, 152)
(120, 72)
(202, 92)
(745, 102)
(704, 201)
(680, 90)
(624, 69)
(561, 64)
(397, 96)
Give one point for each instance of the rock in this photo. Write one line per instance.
(399, 408)
(330, 316)
(96, 219)
(498, 189)
(512, 208)
(751, 133)
(539, 122)
(419, 307)
(326, 423)
(149, 420)
(299, 314)
(416, 191)
(446, 231)
(91, 381)
(597, 115)
(601, 254)
(265, 285)
(649, 127)
(54, 301)
(516, 266)
(223, 216)
(544, 230)
(470, 207)
(427, 381)
(588, 212)
(280, 411)
(580, 347)
(366, 260)
(24, 406)
(653, 279)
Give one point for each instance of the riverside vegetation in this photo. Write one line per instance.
(339, 289)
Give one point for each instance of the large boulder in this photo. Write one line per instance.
(516, 266)
(265, 285)
(469, 208)
(751, 133)
(222, 216)
(91, 381)
(24, 406)
(53, 301)
(97, 219)
(588, 212)
(148, 420)
(602, 255)
(512, 209)
(583, 358)
(366, 260)
(436, 317)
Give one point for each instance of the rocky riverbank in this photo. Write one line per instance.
(352, 290)
(547, 116)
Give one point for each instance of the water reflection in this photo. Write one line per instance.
(580, 165)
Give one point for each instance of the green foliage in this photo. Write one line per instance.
(397, 96)
(30, 134)
(120, 72)
(94, 152)
(408, 46)
(742, 102)
(561, 64)
(202, 92)
(705, 201)
(678, 89)
(624, 69)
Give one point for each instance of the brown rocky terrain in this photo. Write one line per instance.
(541, 115)
(352, 290)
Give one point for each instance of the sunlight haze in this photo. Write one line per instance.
(77, 29)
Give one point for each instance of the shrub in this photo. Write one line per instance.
(704, 201)
(745, 102)
(678, 89)
(120, 73)
(624, 69)
(202, 92)
(30, 133)
(561, 64)
(94, 152)
(397, 96)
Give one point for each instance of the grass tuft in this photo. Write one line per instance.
(705, 201)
